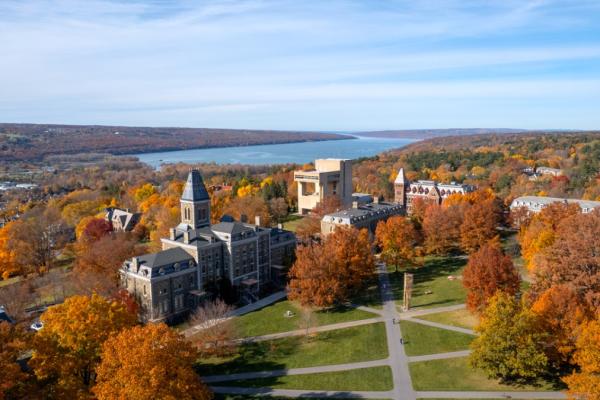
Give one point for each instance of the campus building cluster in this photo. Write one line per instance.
(535, 204)
(198, 256)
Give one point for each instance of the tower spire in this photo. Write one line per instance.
(195, 202)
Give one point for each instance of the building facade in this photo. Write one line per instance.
(331, 177)
(405, 191)
(197, 256)
(361, 216)
(535, 204)
(122, 220)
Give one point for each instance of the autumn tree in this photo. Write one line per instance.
(167, 361)
(488, 271)
(251, 206)
(441, 229)
(67, 350)
(585, 383)
(397, 239)
(573, 258)
(329, 273)
(95, 229)
(561, 313)
(278, 208)
(509, 346)
(479, 224)
(418, 208)
(9, 264)
(12, 344)
(310, 225)
(216, 328)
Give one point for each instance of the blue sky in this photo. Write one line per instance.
(307, 65)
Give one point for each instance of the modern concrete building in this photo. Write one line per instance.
(535, 204)
(361, 216)
(405, 191)
(331, 177)
(197, 256)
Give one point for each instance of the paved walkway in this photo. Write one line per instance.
(440, 356)
(398, 360)
(492, 395)
(304, 393)
(295, 371)
(425, 311)
(302, 332)
(441, 326)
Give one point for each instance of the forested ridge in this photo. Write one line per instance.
(35, 141)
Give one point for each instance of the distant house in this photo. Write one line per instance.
(535, 204)
(122, 220)
(548, 171)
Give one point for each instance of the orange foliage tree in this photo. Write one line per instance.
(487, 272)
(329, 273)
(310, 226)
(479, 224)
(397, 238)
(251, 206)
(167, 359)
(67, 350)
(8, 258)
(441, 228)
(585, 384)
(12, 345)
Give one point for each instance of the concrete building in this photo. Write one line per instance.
(197, 256)
(405, 191)
(331, 177)
(361, 216)
(535, 204)
(122, 220)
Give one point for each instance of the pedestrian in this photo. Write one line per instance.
(401, 341)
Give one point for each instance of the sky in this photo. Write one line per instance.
(302, 65)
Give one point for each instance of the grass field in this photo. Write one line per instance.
(461, 318)
(266, 396)
(361, 343)
(455, 374)
(376, 379)
(272, 319)
(291, 222)
(432, 278)
(421, 339)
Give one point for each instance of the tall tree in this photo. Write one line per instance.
(329, 273)
(310, 226)
(12, 345)
(573, 258)
(488, 271)
(67, 350)
(479, 224)
(509, 346)
(397, 239)
(585, 384)
(167, 360)
(441, 228)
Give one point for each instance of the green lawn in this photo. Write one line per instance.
(361, 343)
(455, 374)
(421, 339)
(272, 319)
(461, 318)
(292, 222)
(9, 281)
(432, 278)
(375, 379)
(265, 396)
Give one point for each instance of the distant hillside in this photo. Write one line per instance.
(433, 133)
(33, 141)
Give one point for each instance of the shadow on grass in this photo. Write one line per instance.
(264, 394)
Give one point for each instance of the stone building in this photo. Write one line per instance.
(361, 216)
(197, 256)
(535, 204)
(331, 177)
(405, 191)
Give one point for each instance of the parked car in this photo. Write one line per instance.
(37, 326)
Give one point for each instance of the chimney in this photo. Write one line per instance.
(355, 204)
(280, 226)
(376, 199)
(135, 263)
(257, 220)
(186, 237)
(244, 218)
(172, 234)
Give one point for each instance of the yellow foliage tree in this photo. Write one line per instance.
(8, 258)
(585, 384)
(168, 366)
(67, 350)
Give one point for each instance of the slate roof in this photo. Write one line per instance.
(165, 257)
(194, 189)
(231, 228)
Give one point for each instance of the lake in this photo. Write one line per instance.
(298, 153)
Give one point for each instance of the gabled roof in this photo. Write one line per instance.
(231, 228)
(194, 189)
(165, 257)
